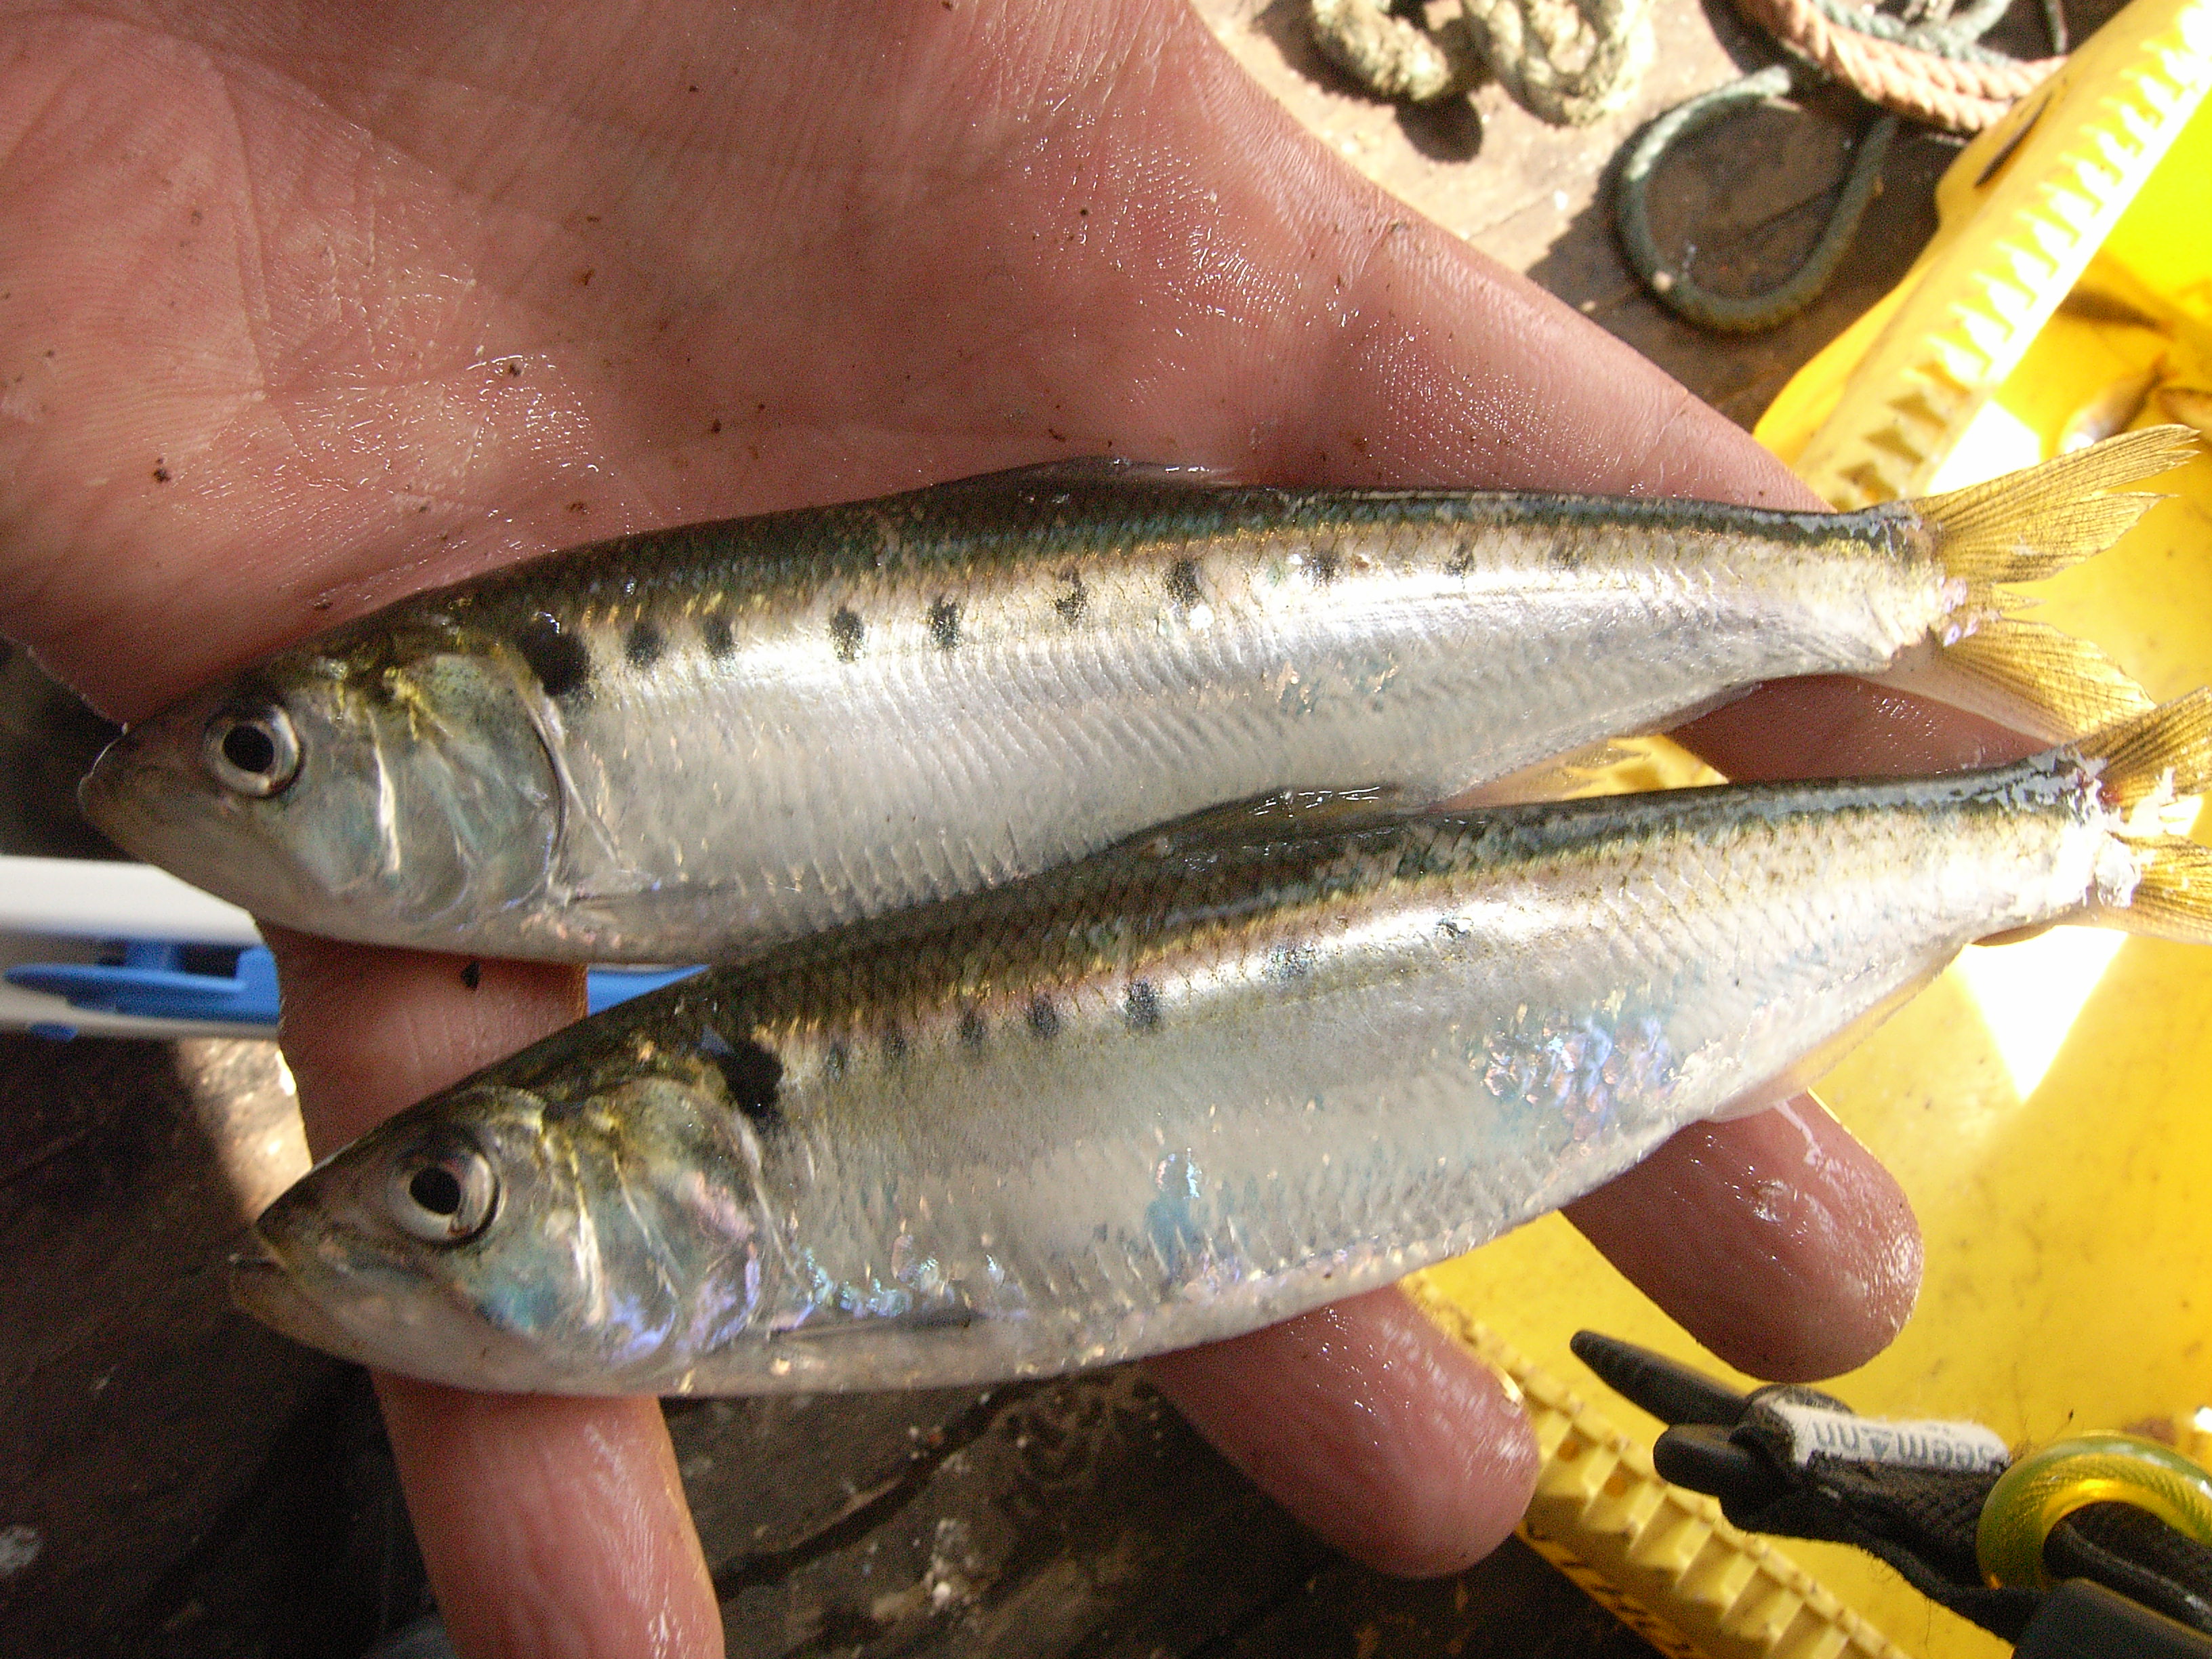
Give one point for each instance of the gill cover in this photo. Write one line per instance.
(583, 1235)
(460, 792)
(390, 798)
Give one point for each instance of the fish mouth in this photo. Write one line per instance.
(261, 1285)
(151, 802)
(436, 1346)
(109, 795)
(149, 793)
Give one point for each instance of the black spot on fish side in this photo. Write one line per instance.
(1071, 604)
(1288, 963)
(645, 646)
(972, 1029)
(846, 633)
(1322, 564)
(945, 624)
(1460, 563)
(752, 1074)
(559, 660)
(894, 1046)
(716, 632)
(1183, 583)
(1044, 1018)
(472, 975)
(834, 1060)
(1142, 1006)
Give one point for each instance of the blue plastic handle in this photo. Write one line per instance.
(605, 987)
(152, 983)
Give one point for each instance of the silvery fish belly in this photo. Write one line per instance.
(687, 745)
(1198, 1083)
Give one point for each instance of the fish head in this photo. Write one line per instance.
(584, 1239)
(392, 795)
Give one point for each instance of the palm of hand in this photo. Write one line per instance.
(305, 310)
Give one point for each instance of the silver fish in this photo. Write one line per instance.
(1196, 1084)
(687, 745)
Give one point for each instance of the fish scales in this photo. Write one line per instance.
(1049, 707)
(689, 743)
(1195, 1084)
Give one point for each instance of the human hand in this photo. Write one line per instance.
(305, 309)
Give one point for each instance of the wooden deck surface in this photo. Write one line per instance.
(175, 1480)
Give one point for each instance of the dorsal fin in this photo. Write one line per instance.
(1085, 472)
(1241, 823)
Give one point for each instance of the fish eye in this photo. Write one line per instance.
(443, 1194)
(251, 751)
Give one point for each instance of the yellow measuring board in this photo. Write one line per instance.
(1664, 1561)
(2107, 161)
(2047, 1105)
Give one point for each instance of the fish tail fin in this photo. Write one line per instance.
(2035, 523)
(2147, 762)
(2032, 676)
(2153, 758)
(2172, 896)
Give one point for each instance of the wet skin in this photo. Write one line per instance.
(306, 309)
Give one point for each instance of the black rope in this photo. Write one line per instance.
(1671, 282)
(1676, 288)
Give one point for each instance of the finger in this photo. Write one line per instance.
(1378, 1430)
(1130, 247)
(367, 1031)
(1834, 727)
(549, 1527)
(1776, 1240)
